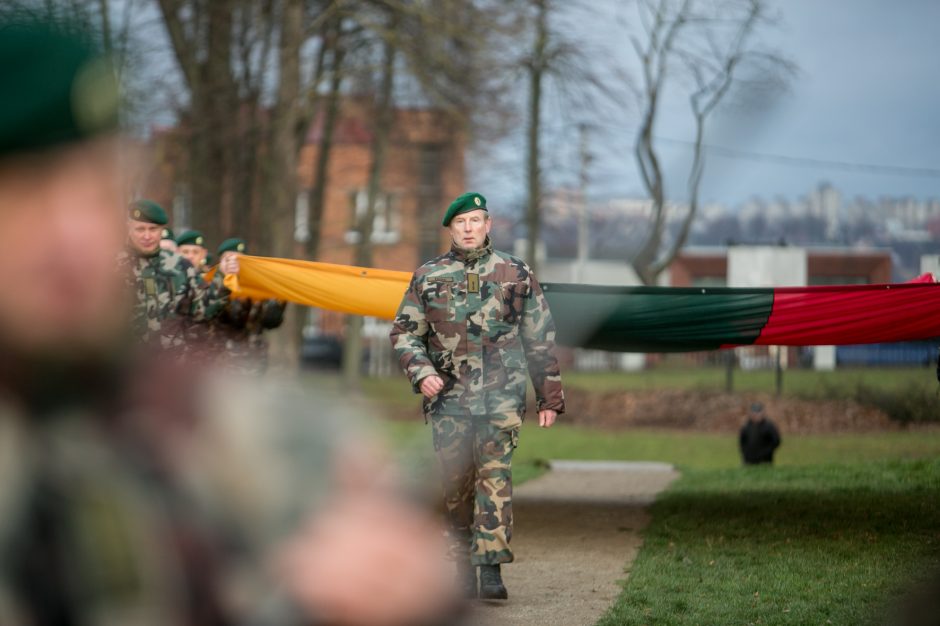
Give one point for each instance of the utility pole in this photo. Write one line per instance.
(537, 67)
(583, 224)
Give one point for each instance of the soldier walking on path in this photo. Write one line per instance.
(470, 326)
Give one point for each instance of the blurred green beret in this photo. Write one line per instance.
(148, 211)
(470, 201)
(231, 245)
(57, 86)
(208, 261)
(168, 234)
(191, 238)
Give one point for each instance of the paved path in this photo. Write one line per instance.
(576, 529)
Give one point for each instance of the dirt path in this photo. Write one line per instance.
(576, 529)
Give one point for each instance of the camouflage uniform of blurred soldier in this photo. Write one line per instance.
(133, 491)
(471, 324)
(238, 331)
(173, 304)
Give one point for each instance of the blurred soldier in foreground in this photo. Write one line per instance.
(238, 331)
(192, 246)
(173, 305)
(470, 325)
(759, 437)
(121, 500)
(168, 241)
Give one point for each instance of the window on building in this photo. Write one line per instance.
(386, 224)
(302, 217)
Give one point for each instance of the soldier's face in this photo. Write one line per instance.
(144, 236)
(169, 245)
(469, 230)
(194, 254)
(62, 224)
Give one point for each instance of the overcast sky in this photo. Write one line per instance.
(868, 92)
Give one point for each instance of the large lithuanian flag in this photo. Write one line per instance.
(641, 319)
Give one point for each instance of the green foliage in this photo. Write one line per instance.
(907, 395)
(912, 403)
(842, 383)
(784, 545)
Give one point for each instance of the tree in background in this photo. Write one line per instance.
(704, 50)
(553, 55)
(432, 53)
(248, 94)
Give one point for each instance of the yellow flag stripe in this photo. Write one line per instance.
(345, 288)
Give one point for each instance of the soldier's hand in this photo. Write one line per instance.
(370, 559)
(229, 265)
(547, 417)
(431, 386)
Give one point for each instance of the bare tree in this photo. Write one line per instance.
(705, 48)
(384, 110)
(554, 60)
(237, 59)
(426, 49)
(338, 44)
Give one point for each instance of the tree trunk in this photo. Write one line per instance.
(536, 70)
(321, 168)
(280, 179)
(213, 108)
(352, 352)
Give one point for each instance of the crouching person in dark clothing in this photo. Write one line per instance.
(759, 437)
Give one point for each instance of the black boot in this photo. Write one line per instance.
(491, 583)
(466, 579)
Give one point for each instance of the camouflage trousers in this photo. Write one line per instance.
(475, 455)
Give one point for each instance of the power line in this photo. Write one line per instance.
(735, 153)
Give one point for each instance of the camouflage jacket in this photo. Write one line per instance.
(171, 299)
(479, 320)
(149, 495)
(238, 332)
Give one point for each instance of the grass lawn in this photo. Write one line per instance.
(829, 535)
(785, 545)
(687, 450)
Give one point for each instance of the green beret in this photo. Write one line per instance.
(208, 261)
(148, 211)
(191, 238)
(231, 245)
(57, 86)
(168, 234)
(470, 201)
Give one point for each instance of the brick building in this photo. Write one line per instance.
(424, 170)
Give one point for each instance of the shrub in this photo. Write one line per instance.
(913, 403)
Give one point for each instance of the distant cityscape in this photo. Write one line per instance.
(909, 227)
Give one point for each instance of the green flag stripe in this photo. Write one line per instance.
(654, 319)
